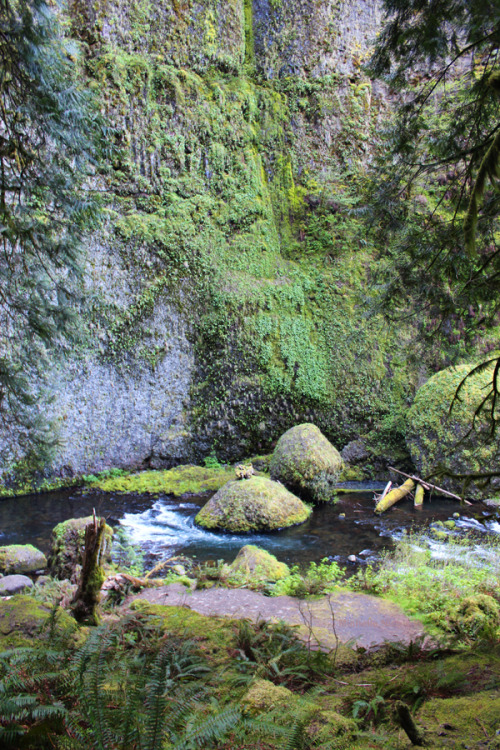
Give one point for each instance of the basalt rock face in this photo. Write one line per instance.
(226, 287)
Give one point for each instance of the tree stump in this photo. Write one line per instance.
(88, 594)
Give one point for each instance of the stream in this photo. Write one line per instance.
(164, 526)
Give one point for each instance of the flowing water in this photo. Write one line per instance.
(165, 525)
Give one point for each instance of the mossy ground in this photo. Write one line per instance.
(181, 480)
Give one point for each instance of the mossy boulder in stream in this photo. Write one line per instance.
(306, 462)
(68, 537)
(254, 563)
(255, 504)
(21, 558)
(443, 442)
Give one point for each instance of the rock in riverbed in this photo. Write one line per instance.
(256, 504)
(306, 462)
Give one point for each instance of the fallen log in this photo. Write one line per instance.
(428, 486)
(378, 498)
(419, 497)
(394, 495)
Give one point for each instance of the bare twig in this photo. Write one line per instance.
(428, 485)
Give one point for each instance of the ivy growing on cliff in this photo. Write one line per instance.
(50, 140)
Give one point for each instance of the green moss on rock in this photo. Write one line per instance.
(252, 505)
(306, 462)
(26, 622)
(21, 558)
(255, 564)
(180, 480)
(477, 616)
(441, 442)
(67, 543)
(264, 697)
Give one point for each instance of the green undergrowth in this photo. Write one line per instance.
(456, 595)
(180, 480)
(159, 678)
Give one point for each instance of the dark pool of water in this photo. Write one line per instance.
(164, 526)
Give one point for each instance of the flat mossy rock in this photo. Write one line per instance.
(26, 622)
(439, 439)
(67, 542)
(254, 563)
(255, 504)
(181, 480)
(307, 463)
(21, 558)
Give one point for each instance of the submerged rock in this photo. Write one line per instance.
(255, 563)
(68, 538)
(306, 462)
(439, 439)
(10, 585)
(21, 558)
(257, 504)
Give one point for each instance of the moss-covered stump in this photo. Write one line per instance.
(68, 539)
(254, 563)
(26, 622)
(255, 504)
(307, 463)
(21, 558)
(441, 441)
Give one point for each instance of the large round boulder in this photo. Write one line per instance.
(21, 558)
(255, 504)
(68, 541)
(307, 463)
(453, 441)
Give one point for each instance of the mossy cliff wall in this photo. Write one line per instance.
(229, 285)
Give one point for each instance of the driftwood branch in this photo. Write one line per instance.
(428, 485)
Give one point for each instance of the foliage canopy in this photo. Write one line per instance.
(437, 199)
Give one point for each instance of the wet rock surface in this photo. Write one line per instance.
(359, 618)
